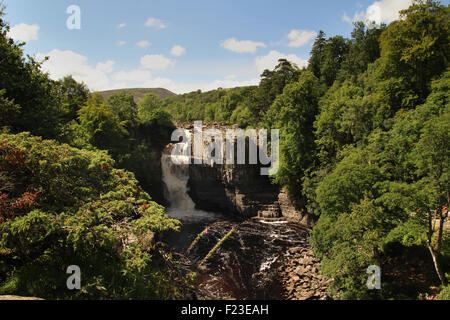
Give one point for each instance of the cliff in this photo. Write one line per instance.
(241, 190)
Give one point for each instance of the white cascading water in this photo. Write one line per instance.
(175, 175)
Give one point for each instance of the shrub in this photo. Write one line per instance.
(63, 206)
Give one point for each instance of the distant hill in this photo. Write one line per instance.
(139, 93)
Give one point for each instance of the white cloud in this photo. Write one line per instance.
(103, 77)
(143, 43)
(299, 38)
(386, 10)
(380, 11)
(133, 76)
(106, 67)
(270, 61)
(121, 43)
(178, 51)
(346, 18)
(358, 16)
(24, 32)
(153, 22)
(156, 62)
(243, 46)
(64, 63)
(122, 25)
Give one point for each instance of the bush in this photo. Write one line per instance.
(445, 293)
(62, 206)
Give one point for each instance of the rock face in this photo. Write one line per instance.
(300, 277)
(239, 189)
(293, 214)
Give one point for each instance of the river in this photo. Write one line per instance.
(245, 265)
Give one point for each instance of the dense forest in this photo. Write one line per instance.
(364, 147)
(62, 199)
(364, 140)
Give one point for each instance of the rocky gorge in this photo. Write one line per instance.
(266, 254)
(240, 189)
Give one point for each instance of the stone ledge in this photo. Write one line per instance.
(17, 298)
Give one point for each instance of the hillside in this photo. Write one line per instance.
(225, 106)
(139, 93)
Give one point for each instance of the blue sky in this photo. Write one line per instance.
(182, 45)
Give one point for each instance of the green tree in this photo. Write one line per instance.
(334, 52)
(134, 135)
(317, 54)
(272, 84)
(74, 96)
(78, 210)
(293, 113)
(345, 119)
(147, 107)
(354, 240)
(29, 100)
(415, 48)
(403, 174)
(103, 127)
(432, 159)
(364, 49)
(123, 105)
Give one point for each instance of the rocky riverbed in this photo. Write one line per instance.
(238, 232)
(259, 260)
(300, 276)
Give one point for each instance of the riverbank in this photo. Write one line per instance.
(300, 276)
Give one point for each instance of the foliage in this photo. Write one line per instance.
(134, 135)
(219, 105)
(364, 146)
(445, 293)
(293, 113)
(29, 100)
(383, 172)
(73, 96)
(415, 48)
(139, 93)
(355, 237)
(364, 49)
(76, 209)
(404, 172)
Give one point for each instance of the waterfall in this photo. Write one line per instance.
(175, 175)
(246, 265)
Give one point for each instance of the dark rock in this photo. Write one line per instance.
(295, 250)
(240, 189)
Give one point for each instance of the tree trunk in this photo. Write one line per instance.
(433, 252)
(437, 266)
